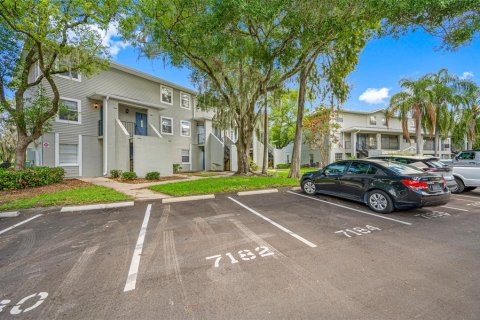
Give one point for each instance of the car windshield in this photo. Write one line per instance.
(402, 169)
(435, 163)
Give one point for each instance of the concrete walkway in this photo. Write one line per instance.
(139, 191)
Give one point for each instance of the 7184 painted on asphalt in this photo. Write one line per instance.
(357, 231)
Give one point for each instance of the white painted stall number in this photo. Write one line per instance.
(357, 231)
(474, 204)
(245, 255)
(20, 308)
(433, 214)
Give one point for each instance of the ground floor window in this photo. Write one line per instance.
(338, 156)
(68, 154)
(185, 156)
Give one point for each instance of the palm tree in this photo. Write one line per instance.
(442, 96)
(415, 101)
(469, 109)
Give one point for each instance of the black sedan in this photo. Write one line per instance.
(382, 185)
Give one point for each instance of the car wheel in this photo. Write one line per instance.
(467, 189)
(379, 201)
(309, 187)
(460, 186)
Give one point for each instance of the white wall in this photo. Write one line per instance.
(152, 154)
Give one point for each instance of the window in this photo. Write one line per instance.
(69, 111)
(185, 156)
(166, 125)
(166, 94)
(373, 120)
(466, 156)
(390, 142)
(361, 168)
(339, 118)
(185, 128)
(338, 156)
(384, 122)
(336, 168)
(185, 100)
(68, 154)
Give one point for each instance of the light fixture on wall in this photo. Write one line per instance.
(127, 111)
(96, 105)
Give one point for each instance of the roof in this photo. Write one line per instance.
(147, 76)
(361, 112)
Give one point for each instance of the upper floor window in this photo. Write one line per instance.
(69, 74)
(166, 125)
(185, 100)
(69, 110)
(339, 118)
(166, 94)
(373, 120)
(384, 121)
(185, 128)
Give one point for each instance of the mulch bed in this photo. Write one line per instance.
(142, 180)
(9, 195)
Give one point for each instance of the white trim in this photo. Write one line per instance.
(161, 100)
(79, 111)
(57, 149)
(190, 130)
(189, 100)
(105, 135)
(79, 155)
(70, 77)
(161, 126)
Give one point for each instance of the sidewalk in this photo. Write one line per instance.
(139, 191)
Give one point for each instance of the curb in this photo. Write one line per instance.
(98, 206)
(296, 188)
(188, 198)
(10, 214)
(262, 191)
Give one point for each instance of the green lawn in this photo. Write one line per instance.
(283, 173)
(225, 184)
(201, 174)
(81, 195)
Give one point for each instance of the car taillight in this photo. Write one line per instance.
(444, 183)
(415, 184)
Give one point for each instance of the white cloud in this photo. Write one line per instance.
(374, 96)
(466, 75)
(111, 39)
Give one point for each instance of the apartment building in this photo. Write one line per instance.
(365, 133)
(125, 119)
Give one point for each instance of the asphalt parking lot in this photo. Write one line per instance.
(272, 256)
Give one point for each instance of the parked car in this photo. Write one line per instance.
(426, 163)
(466, 170)
(382, 185)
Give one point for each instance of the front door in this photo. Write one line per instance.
(140, 124)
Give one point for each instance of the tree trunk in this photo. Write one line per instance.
(243, 146)
(265, 137)
(418, 133)
(435, 141)
(297, 142)
(21, 150)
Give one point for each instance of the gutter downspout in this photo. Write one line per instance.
(105, 136)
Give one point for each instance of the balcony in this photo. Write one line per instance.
(130, 126)
(366, 146)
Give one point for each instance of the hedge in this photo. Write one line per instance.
(154, 175)
(28, 178)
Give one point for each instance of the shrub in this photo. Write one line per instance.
(115, 173)
(154, 175)
(283, 166)
(177, 167)
(32, 177)
(253, 165)
(127, 175)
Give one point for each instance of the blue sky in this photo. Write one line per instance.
(383, 62)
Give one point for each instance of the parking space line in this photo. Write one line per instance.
(353, 209)
(296, 236)
(133, 271)
(20, 223)
(454, 208)
(468, 197)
